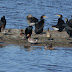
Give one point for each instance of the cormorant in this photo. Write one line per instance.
(66, 20)
(4, 22)
(68, 27)
(31, 20)
(39, 25)
(59, 25)
(28, 30)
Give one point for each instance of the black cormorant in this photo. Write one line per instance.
(2, 23)
(39, 25)
(28, 30)
(31, 20)
(59, 25)
(68, 27)
(66, 20)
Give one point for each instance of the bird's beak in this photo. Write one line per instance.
(58, 15)
(45, 17)
(65, 19)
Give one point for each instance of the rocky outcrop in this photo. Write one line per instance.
(12, 36)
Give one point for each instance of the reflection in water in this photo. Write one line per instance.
(33, 58)
(2, 44)
(28, 48)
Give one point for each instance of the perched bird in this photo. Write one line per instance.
(39, 25)
(2, 23)
(69, 23)
(22, 34)
(28, 30)
(31, 40)
(5, 31)
(66, 20)
(50, 47)
(31, 20)
(59, 25)
(48, 33)
(68, 27)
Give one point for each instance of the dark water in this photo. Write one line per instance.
(34, 58)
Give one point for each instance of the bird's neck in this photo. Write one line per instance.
(41, 19)
(67, 21)
(61, 18)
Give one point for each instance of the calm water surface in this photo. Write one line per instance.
(35, 59)
(15, 58)
(17, 10)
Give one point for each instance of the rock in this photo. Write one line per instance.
(61, 39)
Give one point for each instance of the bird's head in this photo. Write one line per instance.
(43, 16)
(3, 17)
(66, 20)
(59, 15)
(29, 16)
(21, 30)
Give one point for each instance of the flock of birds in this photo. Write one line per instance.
(39, 25)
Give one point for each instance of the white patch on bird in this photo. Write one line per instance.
(55, 28)
(31, 24)
(31, 40)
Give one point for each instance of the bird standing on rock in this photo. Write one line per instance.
(31, 20)
(28, 30)
(48, 34)
(59, 25)
(2, 23)
(68, 27)
(22, 34)
(39, 25)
